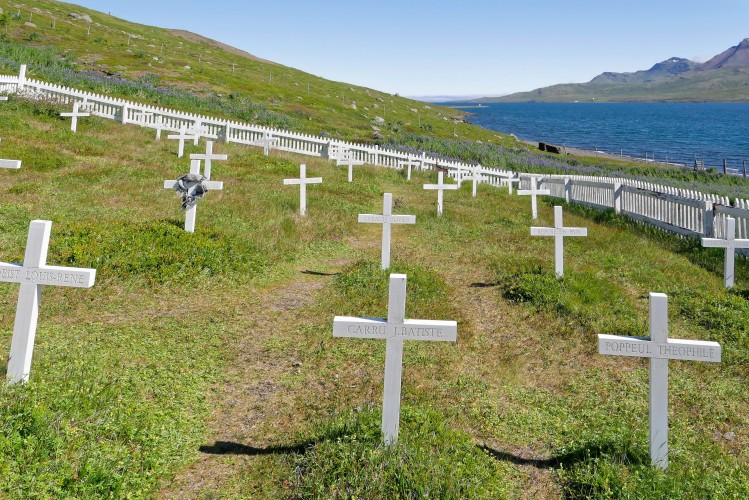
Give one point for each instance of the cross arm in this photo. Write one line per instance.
(210, 185)
(10, 163)
(643, 347)
(561, 231)
(75, 114)
(440, 186)
(47, 275)
(723, 243)
(200, 156)
(392, 219)
(410, 329)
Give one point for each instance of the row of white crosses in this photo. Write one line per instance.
(32, 275)
(195, 159)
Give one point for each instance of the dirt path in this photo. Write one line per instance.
(250, 393)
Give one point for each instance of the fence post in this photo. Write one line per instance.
(744, 168)
(227, 131)
(618, 197)
(567, 189)
(123, 119)
(724, 166)
(21, 78)
(707, 220)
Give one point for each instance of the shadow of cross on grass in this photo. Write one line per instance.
(585, 453)
(231, 448)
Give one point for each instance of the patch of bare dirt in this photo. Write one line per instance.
(194, 37)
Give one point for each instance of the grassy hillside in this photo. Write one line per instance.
(720, 85)
(203, 365)
(166, 63)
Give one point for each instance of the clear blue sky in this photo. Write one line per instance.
(469, 47)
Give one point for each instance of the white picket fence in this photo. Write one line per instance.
(686, 212)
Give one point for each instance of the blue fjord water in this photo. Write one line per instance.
(678, 131)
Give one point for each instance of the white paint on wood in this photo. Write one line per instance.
(207, 157)
(181, 137)
(303, 180)
(75, 115)
(659, 348)
(534, 191)
(191, 212)
(559, 232)
(730, 243)
(267, 141)
(348, 159)
(440, 187)
(10, 164)
(394, 330)
(32, 275)
(408, 164)
(386, 219)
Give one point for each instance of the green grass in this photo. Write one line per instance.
(203, 365)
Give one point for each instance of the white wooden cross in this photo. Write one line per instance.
(207, 157)
(3, 97)
(386, 219)
(559, 232)
(74, 115)
(440, 187)
(408, 164)
(533, 192)
(181, 137)
(730, 243)
(267, 141)
(395, 329)
(348, 159)
(475, 176)
(659, 348)
(303, 180)
(191, 212)
(32, 275)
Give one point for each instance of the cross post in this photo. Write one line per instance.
(386, 219)
(659, 348)
(559, 232)
(207, 157)
(395, 329)
(191, 212)
(303, 180)
(730, 243)
(32, 275)
(408, 164)
(440, 187)
(74, 115)
(533, 192)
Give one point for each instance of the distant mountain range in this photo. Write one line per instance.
(725, 77)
